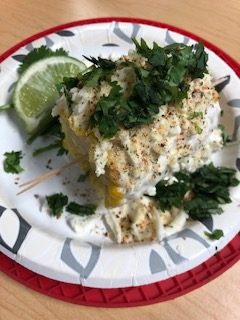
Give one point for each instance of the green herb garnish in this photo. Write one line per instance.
(101, 62)
(194, 115)
(68, 83)
(215, 235)
(45, 149)
(172, 195)
(163, 80)
(37, 54)
(81, 210)
(174, 58)
(105, 116)
(56, 203)
(225, 136)
(200, 193)
(54, 132)
(11, 163)
(198, 129)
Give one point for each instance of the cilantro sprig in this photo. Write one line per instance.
(200, 193)
(215, 235)
(11, 163)
(225, 136)
(38, 54)
(81, 210)
(58, 202)
(101, 62)
(54, 132)
(163, 80)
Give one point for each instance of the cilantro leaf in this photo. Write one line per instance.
(96, 73)
(215, 235)
(101, 62)
(37, 54)
(225, 136)
(194, 115)
(208, 188)
(163, 80)
(54, 131)
(11, 163)
(105, 113)
(171, 195)
(199, 64)
(176, 56)
(202, 207)
(56, 202)
(93, 78)
(45, 149)
(81, 210)
(67, 84)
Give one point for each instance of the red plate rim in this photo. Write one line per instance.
(134, 296)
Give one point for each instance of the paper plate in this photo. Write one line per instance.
(48, 246)
(126, 297)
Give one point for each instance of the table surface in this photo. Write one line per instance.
(216, 21)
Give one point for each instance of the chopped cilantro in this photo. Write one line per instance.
(45, 149)
(55, 132)
(201, 207)
(69, 82)
(11, 163)
(61, 149)
(81, 210)
(171, 195)
(65, 86)
(198, 129)
(174, 58)
(225, 136)
(101, 62)
(56, 203)
(215, 235)
(163, 80)
(207, 188)
(194, 115)
(37, 54)
(53, 129)
(105, 116)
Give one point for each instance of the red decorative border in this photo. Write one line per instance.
(134, 296)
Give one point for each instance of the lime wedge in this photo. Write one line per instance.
(36, 92)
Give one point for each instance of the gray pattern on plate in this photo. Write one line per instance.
(156, 263)
(70, 260)
(22, 232)
(122, 35)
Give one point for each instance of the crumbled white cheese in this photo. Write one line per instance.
(83, 225)
(101, 156)
(135, 160)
